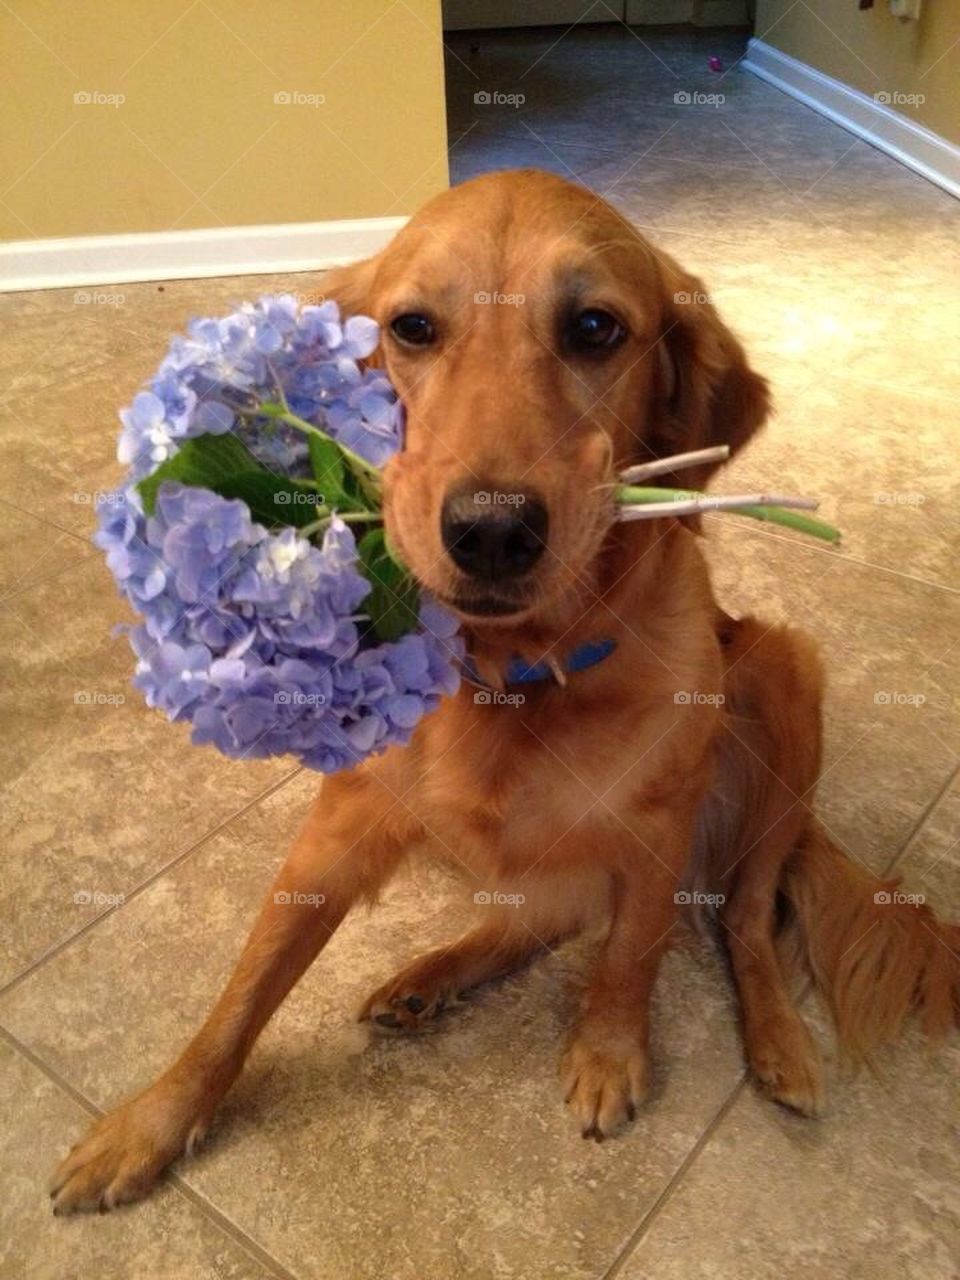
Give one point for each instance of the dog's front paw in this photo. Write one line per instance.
(605, 1079)
(124, 1153)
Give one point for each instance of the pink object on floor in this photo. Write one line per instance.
(715, 63)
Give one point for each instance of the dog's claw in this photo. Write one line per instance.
(415, 1004)
(604, 1083)
(387, 1020)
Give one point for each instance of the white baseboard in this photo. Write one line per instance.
(184, 255)
(887, 130)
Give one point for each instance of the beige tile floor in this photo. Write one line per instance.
(451, 1156)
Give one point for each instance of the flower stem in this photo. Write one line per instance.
(365, 471)
(677, 462)
(649, 503)
(348, 517)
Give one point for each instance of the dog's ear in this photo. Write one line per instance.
(351, 287)
(705, 392)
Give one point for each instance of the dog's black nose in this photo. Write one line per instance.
(493, 534)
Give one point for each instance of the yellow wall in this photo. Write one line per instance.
(872, 51)
(198, 140)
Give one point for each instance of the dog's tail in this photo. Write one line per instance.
(877, 956)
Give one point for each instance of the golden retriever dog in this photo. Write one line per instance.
(682, 763)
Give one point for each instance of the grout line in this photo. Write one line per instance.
(18, 1046)
(642, 1229)
(48, 521)
(922, 821)
(232, 1229)
(145, 884)
(837, 555)
(181, 1188)
(20, 588)
(636, 1238)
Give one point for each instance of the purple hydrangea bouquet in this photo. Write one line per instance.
(248, 536)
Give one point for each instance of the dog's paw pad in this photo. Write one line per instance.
(401, 1011)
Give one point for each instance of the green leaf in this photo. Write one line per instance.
(272, 499)
(223, 464)
(356, 497)
(328, 470)
(394, 600)
(202, 461)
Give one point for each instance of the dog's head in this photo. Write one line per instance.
(539, 345)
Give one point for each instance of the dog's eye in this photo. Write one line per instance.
(594, 330)
(412, 329)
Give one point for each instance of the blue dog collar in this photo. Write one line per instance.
(581, 659)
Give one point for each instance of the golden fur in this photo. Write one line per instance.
(604, 801)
